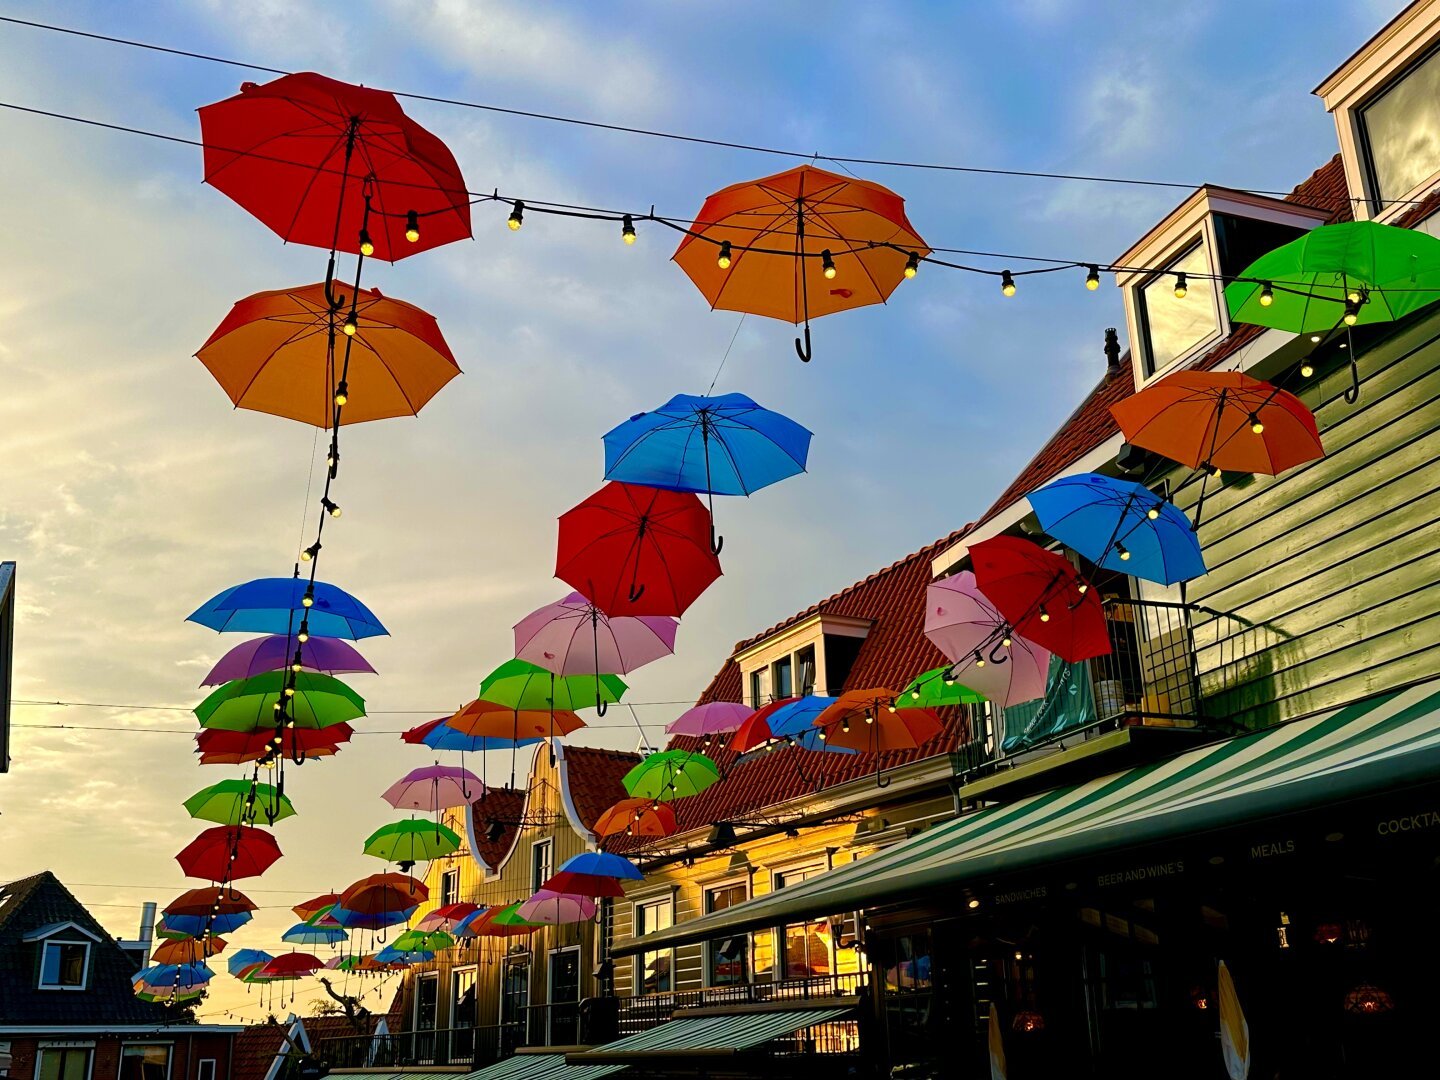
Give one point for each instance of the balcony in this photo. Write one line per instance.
(461, 1049)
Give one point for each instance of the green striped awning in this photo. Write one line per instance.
(541, 1067)
(1363, 749)
(719, 1033)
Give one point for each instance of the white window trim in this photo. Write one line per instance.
(506, 962)
(450, 871)
(45, 943)
(1202, 235)
(659, 896)
(789, 642)
(415, 1007)
(474, 969)
(214, 1068)
(705, 890)
(169, 1056)
(89, 1049)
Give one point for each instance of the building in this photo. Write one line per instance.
(67, 1011)
(1251, 776)
(273, 1051)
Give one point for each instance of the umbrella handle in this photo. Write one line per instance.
(335, 300)
(636, 594)
(881, 780)
(600, 705)
(804, 352)
(1352, 393)
(716, 542)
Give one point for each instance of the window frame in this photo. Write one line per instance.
(420, 979)
(450, 874)
(547, 845)
(708, 962)
(169, 1049)
(200, 1068)
(1372, 195)
(473, 970)
(509, 963)
(45, 943)
(665, 900)
(806, 867)
(88, 1051)
(1203, 240)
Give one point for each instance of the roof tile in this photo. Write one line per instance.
(593, 778)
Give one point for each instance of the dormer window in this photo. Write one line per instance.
(1401, 134)
(64, 965)
(1175, 325)
(814, 656)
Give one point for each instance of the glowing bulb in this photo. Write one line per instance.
(1315, 339)
(412, 227)
(289, 691)
(1352, 314)
(1153, 513)
(367, 246)
(350, 325)
(845, 724)
(1306, 369)
(1267, 295)
(827, 264)
(342, 393)
(1083, 588)
(308, 600)
(303, 636)
(949, 679)
(1007, 283)
(1092, 279)
(517, 216)
(973, 904)
(723, 261)
(1005, 641)
(912, 264)
(331, 507)
(1353, 296)
(1255, 425)
(914, 695)
(1044, 615)
(823, 736)
(1215, 470)
(1122, 551)
(1181, 288)
(305, 555)
(627, 230)
(296, 667)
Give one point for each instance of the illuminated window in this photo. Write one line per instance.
(145, 1062)
(655, 974)
(1401, 132)
(727, 958)
(64, 965)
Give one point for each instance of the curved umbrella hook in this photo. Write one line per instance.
(804, 352)
(636, 593)
(997, 654)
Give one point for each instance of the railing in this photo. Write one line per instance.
(464, 1047)
(555, 1023)
(644, 1011)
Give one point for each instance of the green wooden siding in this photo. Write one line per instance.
(1328, 577)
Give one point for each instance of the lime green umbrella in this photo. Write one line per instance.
(1377, 273)
(249, 704)
(420, 941)
(235, 802)
(411, 841)
(519, 684)
(671, 774)
(938, 687)
(510, 916)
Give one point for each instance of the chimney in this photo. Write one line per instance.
(139, 949)
(1112, 352)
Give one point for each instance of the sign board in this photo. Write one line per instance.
(7, 657)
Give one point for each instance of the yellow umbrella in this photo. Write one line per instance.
(997, 1046)
(1234, 1031)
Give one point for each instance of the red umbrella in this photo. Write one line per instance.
(229, 852)
(571, 881)
(379, 894)
(293, 965)
(220, 747)
(1042, 595)
(635, 550)
(755, 731)
(219, 900)
(453, 913)
(870, 722)
(303, 152)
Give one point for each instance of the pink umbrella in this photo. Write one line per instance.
(712, 718)
(965, 626)
(433, 921)
(553, 908)
(331, 656)
(574, 637)
(434, 787)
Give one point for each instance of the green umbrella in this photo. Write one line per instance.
(249, 704)
(420, 941)
(411, 841)
(1306, 286)
(519, 684)
(935, 688)
(671, 774)
(510, 916)
(230, 802)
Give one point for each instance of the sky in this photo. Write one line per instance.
(130, 490)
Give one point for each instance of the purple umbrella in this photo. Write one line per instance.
(331, 656)
(965, 626)
(553, 908)
(435, 787)
(712, 718)
(574, 637)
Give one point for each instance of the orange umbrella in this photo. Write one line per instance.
(637, 817)
(222, 900)
(488, 719)
(869, 721)
(384, 893)
(801, 243)
(309, 909)
(282, 352)
(186, 950)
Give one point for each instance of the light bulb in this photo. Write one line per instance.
(1352, 313)
(1007, 283)
(1044, 615)
(278, 706)
(1315, 339)
(289, 691)
(1153, 513)
(297, 667)
(308, 599)
(1353, 296)
(723, 260)
(1092, 278)
(517, 216)
(949, 678)
(1181, 288)
(1255, 425)
(627, 230)
(412, 227)
(979, 661)
(972, 904)
(303, 636)
(310, 552)
(1083, 587)
(1122, 551)
(1306, 369)
(367, 246)
(1005, 641)
(305, 555)
(350, 325)
(914, 695)
(827, 264)
(1215, 470)
(845, 724)
(912, 264)
(823, 736)
(331, 507)
(342, 393)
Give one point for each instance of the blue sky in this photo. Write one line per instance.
(132, 491)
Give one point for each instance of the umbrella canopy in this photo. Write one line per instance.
(553, 909)
(602, 864)
(504, 727)
(277, 606)
(243, 960)
(800, 244)
(500, 922)
(793, 716)
(574, 637)
(424, 941)
(1042, 596)
(275, 353)
(305, 154)
(411, 841)
(294, 965)
(383, 893)
(219, 900)
(1220, 420)
(452, 914)
(578, 884)
(166, 977)
(711, 718)
(637, 550)
(274, 652)
(439, 735)
(374, 920)
(235, 802)
(723, 445)
(1234, 1028)
(305, 933)
(228, 853)
(1120, 525)
(812, 740)
(315, 907)
(964, 625)
(434, 787)
(1307, 285)
(172, 927)
(249, 704)
(519, 684)
(637, 817)
(937, 688)
(187, 950)
(869, 721)
(669, 774)
(218, 747)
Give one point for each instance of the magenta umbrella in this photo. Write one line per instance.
(554, 908)
(574, 637)
(712, 718)
(434, 787)
(967, 628)
(331, 656)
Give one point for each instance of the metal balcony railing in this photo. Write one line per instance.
(644, 1011)
(467, 1047)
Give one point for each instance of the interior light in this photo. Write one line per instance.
(367, 246)
(1267, 295)
(723, 261)
(973, 904)
(412, 226)
(1181, 288)
(517, 216)
(1092, 278)
(1007, 283)
(827, 264)
(627, 230)
(1315, 339)
(912, 264)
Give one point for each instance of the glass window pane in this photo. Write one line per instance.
(729, 958)
(144, 1062)
(1402, 131)
(654, 974)
(1173, 326)
(50, 967)
(70, 1064)
(782, 676)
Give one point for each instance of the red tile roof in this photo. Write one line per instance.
(592, 777)
(506, 806)
(255, 1050)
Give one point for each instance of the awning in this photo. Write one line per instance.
(722, 1033)
(1382, 743)
(541, 1067)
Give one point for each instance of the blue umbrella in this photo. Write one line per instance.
(354, 920)
(445, 737)
(196, 925)
(245, 958)
(305, 934)
(277, 606)
(807, 740)
(1120, 525)
(602, 864)
(798, 716)
(391, 955)
(183, 975)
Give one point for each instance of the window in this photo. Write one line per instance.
(462, 997)
(782, 678)
(542, 863)
(1172, 325)
(805, 670)
(812, 656)
(1400, 129)
(759, 688)
(427, 995)
(145, 1062)
(515, 991)
(64, 965)
(449, 886)
(804, 948)
(71, 1063)
(654, 974)
(205, 1069)
(727, 960)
